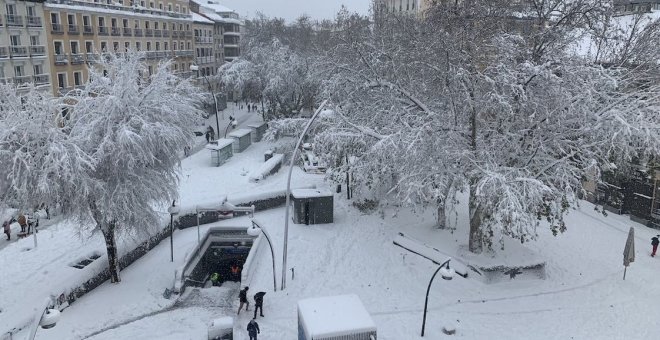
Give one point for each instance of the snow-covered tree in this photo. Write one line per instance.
(134, 126)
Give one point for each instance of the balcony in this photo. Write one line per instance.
(138, 32)
(3, 52)
(103, 30)
(88, 30)
(77, 59)
(56, 28)
(37, 51)
(61, 59)
(22, 80)
(148, 32)
(158, 33)
(73, 29)
(34, 21)
(115, 31)
(92, 57)
(175, 34)
(18, 51)
(188, 34)
(128, 32)
(14, 20)
(151, 55)
(166, 34)
(41, 79)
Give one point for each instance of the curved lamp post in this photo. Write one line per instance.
(173, 210)
(232, 123)
(447, 274)
(47, 319)
(215, 100)
(288, 191)
(255, 230)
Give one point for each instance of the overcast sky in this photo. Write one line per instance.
(291, 9)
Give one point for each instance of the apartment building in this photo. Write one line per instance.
(416, 7)
(80, 31)
(230, 22)
(23, 39)
(624, 7)
(204, 45)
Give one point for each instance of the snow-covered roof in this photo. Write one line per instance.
(307, 193)
(221, 144)
(214, 5)
(240, 133)
(334, 316)
(198, 18)
(129, 12)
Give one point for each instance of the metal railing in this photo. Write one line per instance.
(91, 57)
(14, 20)
(87, 29)
(127, 32)
(158, 33)
(22, 80)
(77, 58)
(115, 31)
(18, 51)
(138, 32)
(166, 34)
(37, 50)
(3, 52)
(41, 79)
(56, 28)
(103, 30)
(73, 29)
(148, 32)
(61, 59)
(33, 21)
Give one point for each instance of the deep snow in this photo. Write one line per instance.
(583, 297)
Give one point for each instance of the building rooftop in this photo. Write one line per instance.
(198, 18)
(334, 316)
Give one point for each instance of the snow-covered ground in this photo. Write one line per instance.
(583, 297)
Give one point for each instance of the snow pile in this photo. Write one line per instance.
(268, 168)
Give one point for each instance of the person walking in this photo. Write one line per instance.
(242, 297)
(259, 303)
(253, 329)
(22, 221)
(6, 227)
(654, 242)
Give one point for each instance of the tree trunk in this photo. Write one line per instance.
(111, 247)
(442, 206)
(475, 243)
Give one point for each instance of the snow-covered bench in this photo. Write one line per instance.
(268, 168)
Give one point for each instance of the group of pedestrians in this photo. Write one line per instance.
(253, 326)
(28, 226)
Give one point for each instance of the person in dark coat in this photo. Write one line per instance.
(6, 227)
(654, 242)
(242, 297)
(258, 303)
(253, 329)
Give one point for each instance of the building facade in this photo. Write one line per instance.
(80, 31)
(416, 7)
(23, 40)
(230, 22)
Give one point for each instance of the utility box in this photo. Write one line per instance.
(312, 206)
(221, 150)
(242, 139)
(221, 329)
(258, 130)
(340, 317)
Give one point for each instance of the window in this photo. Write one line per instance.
(104, 46)
(165, 46)
(143, 4)
(89, 47)
(71, 19)
(189, 47)
(151, 70)
(151, 4)
(87, 21)
(187, 27)
(169, 7)
(127, 46)
(61, 80)
(177, 8)
(31, 12)
(115, 46)
(11, 9)
(54, 18)
(183, 10)
(77, 78)
(156, 25)
(18, 71)
(181, 45)
(148, 45)
(160, 6)
(74, 47)
(15, 40)
(113, 22)
(157, 46)
(146, 24)
(101, 21)
(34, 40)
(59, 47)
(124, 23)
(138, 46)
(137, 23)
(38, 69)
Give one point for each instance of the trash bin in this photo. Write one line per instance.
(268, 155)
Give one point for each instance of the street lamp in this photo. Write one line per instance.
(215, 100)
(288, 191)
(173, 210)
(255, 230)
(47, 319)
(446, 273)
